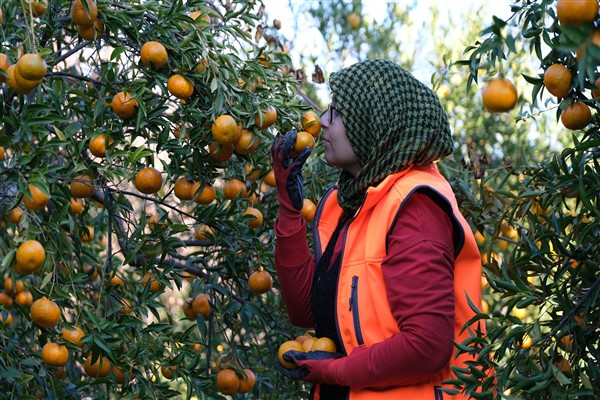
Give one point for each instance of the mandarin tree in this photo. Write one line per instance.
(539, 222)
(105, 107)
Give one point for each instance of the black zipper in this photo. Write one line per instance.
(354, 309)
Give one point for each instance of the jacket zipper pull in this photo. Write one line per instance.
(353, 288)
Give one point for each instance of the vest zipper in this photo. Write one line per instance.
(354, 309)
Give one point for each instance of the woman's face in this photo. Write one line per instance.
(338, 150)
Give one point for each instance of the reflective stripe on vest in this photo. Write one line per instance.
(363, 312)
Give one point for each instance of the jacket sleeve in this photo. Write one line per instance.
(418, 271)
(294, 264)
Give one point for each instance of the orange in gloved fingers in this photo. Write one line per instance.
(287, 346)
(303, 139)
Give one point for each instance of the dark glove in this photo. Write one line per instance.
(288, 172)
(314, 366)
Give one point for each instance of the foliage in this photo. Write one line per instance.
(46, 135)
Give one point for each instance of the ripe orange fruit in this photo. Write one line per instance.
(187, 310)
(557, 80)
(15, 215)
(167, 372)
(307, 343)
(247, 142)
(287, 346)
(567, 342)
(220, 152)
(311, 123)
(11, 81)
(197, 14)
(37, 200)
(519, 312)
(260, 282)
(308, 210)
(97, 145)
(225, 130)
(269, 116)
(55, 354)
(594, 39)
(202, 231)
(26, 85)
(91, 32)
(354, 20)
(154, 54)
(24, 298)
(4, 64)
(117, 280)
(45, 313)
(123, 105)
(148, 180)
(180, 86)
(564, 366)
(499, 95)
(73, 334)
(574, 12)
(200, 305)
(88, 234)
(76, 206)
(126, 307)
(525, 342)
(82, 16)
(98, 369)
(234, 187)
(30, 255)
(35, 8)
(257, 221)
(596, 92)
(247, 383)
(303, 139)
(82, 186)
(202, 65)
(227, 382)
(183, 189)
(251, 173)
(6, 300)
(576, 116)
(31, 67)
(154, 285)
(270, 178)
(323, 344)
(120, 375)
(6, 320)
(206, 196)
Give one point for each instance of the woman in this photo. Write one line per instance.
(394, 260)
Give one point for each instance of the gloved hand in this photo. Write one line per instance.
(314, 366)
(288, 172)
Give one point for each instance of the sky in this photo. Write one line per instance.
(309, 42)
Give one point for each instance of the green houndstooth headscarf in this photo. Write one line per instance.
(392, 120)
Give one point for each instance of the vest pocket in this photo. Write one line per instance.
(354, 309)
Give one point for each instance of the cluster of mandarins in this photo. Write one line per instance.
(304, 343)
(85, 17)
(230, 380)
(500, 95)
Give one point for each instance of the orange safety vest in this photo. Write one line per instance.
(370, 319)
